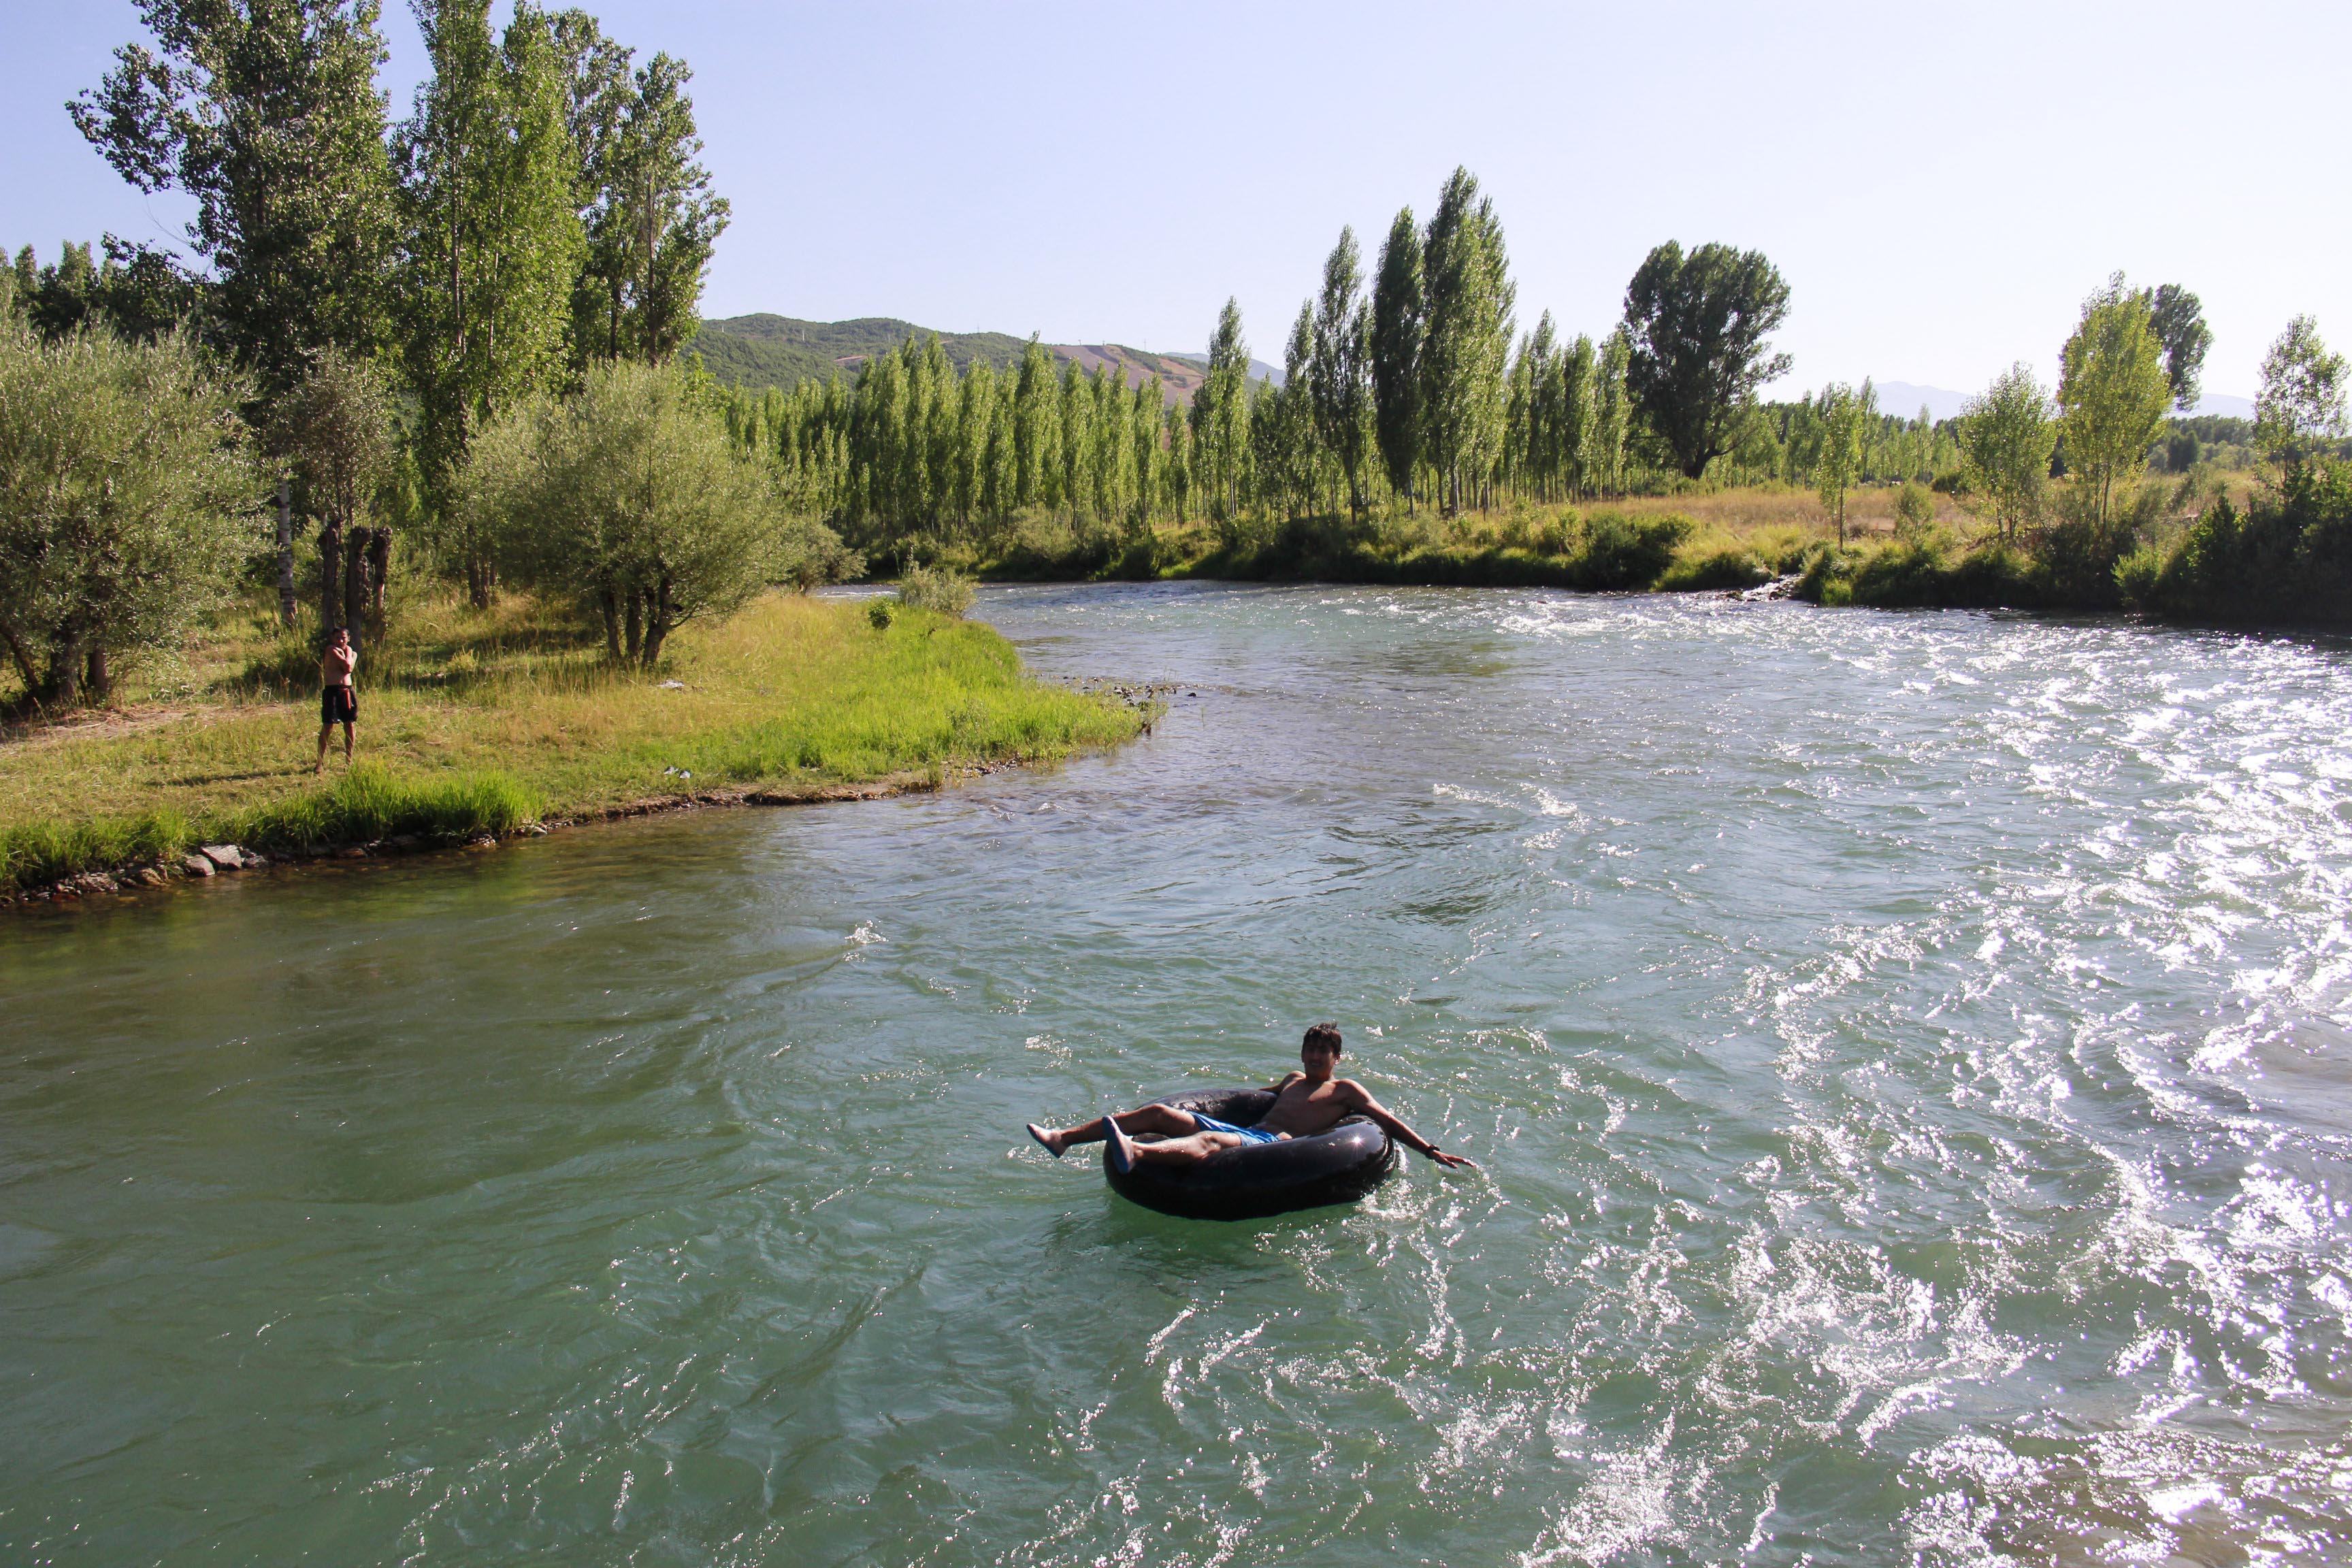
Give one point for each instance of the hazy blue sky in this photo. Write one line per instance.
(1940, 184)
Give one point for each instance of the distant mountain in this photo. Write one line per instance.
(763, 351)
(2226, 407)
(1900, 398)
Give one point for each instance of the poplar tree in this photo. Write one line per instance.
(267, 112)
(1613, 417)
(1036, 427)
(1397, 307)
(650, 218)
(1839, 466)
(2300, 410)
(1466, 344)
(1339, 368)
(1221, 415)
(2112, 393)
(2006, 436)
(1283, 444)
(492, 239)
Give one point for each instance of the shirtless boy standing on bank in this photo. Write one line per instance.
(337, 701)
(1306, 1103)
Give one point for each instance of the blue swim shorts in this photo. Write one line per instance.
(1211, 1124)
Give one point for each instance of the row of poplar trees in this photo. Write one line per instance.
(1399, 388)
(543, 211)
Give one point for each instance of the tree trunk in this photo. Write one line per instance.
(632, 623)
(25, 668)
(330, 583)
(98, 680)
(608, 604)
(65, 671)
(285, 555)
(658, 623)
(379, 573)
(477, 582)
(355, 582)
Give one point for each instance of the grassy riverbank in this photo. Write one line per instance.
(481, 722)
(2219, 547)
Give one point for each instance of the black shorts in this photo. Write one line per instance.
(337, 705)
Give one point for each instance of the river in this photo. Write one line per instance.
(1907, 1057)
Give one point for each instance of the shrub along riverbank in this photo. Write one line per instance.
(2222, 550)
(481, 722)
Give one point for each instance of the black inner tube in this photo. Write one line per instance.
(1259, 1179)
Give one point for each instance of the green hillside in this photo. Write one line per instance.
(763, 351)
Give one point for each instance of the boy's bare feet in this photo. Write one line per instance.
(1052, 1143)
(1122, 1147)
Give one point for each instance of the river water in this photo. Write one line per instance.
(1906, 1057)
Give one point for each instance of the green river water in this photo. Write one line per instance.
(1907, 1057)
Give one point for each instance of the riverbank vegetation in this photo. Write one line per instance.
(479, 720)
(1414, 438)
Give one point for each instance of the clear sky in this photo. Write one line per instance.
(1940, 184)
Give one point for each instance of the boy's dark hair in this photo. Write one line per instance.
(1323, 1035)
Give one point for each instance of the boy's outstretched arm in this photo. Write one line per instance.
(1396, 1129)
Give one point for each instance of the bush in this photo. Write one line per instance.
(124, 495)
(939, 588)
(1727, 568)
(1915, 510)
(2287, 556)
(1624, 552)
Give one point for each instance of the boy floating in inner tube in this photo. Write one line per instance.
(1305, 1104)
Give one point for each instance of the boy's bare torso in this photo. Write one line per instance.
(1303, 1108)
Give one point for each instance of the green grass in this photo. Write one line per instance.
(481, 722)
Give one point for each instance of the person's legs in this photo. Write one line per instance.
(1191, 1150)
(347, 742)
(1165, 1119)
(324, 730)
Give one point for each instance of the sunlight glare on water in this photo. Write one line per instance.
(1906, 1055)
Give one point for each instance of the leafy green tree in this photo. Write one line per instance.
(1838, 464)
(1036, 427)
(335, 430)
(267, 112)
(2300, 409)
(651, 219)
(1613, 415)
(1221, 417)
(1697, 326)
(630, 497)
(125, 497)
(1399, 303)
(2006, 436)
(2179, 317)
(1339, 368)
(492, 238)
(1283, 445)
(1578, 405)
(2112, 395)
(1467, 341)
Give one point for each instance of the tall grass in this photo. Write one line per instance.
(46, 850)
(363, 806)
(369, 802)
